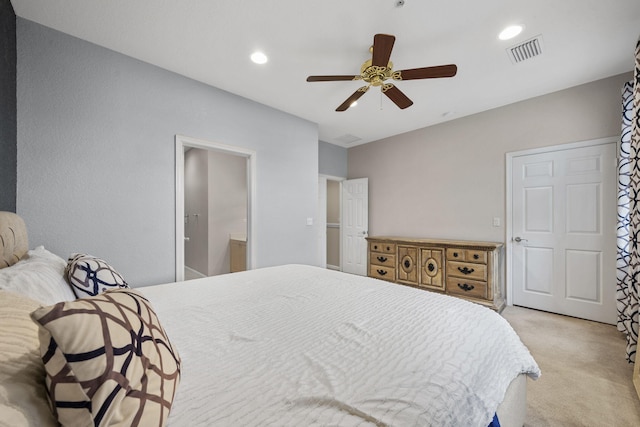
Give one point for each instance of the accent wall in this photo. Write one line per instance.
(96, 156)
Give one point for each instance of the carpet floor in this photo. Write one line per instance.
(586, 380)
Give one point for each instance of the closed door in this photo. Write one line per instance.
(563, 228)
(355, 225)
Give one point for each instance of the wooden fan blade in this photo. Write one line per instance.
(382, 47)
(428, 72)
(353, 98)
(396, 95)
(331, 78)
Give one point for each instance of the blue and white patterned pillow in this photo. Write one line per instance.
(123, 371)
(90, 276)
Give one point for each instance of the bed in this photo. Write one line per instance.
(290, 345)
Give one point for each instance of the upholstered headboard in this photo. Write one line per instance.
(14, 243)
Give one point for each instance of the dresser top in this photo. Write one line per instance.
(438, 242)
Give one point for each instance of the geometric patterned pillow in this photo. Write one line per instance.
(90, 276)
(108, 361)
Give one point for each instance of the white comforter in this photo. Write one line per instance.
(303, 346)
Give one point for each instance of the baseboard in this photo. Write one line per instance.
(333, 267)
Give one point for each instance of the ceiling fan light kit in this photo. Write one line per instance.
(379, 68)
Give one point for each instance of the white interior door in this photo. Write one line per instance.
(563, 241)
(355, 225)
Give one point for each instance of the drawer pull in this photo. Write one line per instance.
(431, 267)
(476, 256)
(466, 287)
(465, 270)
(455, 254)
(407, 263)
(381, 272)
(382, 259)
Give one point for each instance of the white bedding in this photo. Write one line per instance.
(302, 346)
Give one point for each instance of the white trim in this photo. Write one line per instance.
(185, 141)
(509, 187)
(333, 267)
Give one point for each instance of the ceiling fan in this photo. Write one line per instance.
(378, 69)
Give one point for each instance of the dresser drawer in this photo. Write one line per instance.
(468, 288)
(468, 255)
(381, 272)
(383, 247)
(377, 258)
(467, 270)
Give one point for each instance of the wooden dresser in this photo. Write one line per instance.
(470, 270)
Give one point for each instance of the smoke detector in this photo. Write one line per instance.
(525, 50)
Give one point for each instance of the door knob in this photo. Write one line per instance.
(519, 239)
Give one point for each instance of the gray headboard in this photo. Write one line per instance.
(14, 242)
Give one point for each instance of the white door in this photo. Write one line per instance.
(355, 225)
(563, 241)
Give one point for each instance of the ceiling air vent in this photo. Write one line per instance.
(525, 50)
(347, 139)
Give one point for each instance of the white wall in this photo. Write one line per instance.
(96, 156)
(448, 181)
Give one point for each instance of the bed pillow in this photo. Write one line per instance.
(23, 395)
(39, 276)
(90, 276)
(108, 361)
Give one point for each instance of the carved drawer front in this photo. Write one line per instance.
(467, 270)
(385, 248)
(431, 274)
(377, 258)
(468, 288)
(468, 255)
(381, 272)
(408, 264)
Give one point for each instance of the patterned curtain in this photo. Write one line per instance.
(628, 259)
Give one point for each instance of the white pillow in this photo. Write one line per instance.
(39, 276)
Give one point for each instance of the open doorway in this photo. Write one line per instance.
(214, 194)
(329, 221)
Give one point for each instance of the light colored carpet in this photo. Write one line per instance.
(586, 380)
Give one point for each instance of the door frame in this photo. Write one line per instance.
(182, 142)
(509, 188)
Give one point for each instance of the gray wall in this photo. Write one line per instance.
(196, 209)
(8, 126)
(448, 181)
(96, 156)
(333, 159)
(227, 207)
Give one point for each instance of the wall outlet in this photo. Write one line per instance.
(496, 221)
(309, 221)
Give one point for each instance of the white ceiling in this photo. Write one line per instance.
(211, 40)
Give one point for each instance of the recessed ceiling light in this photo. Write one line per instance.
(259, 58)
(510, 32)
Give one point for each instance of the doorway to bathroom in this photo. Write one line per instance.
(214, 191)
